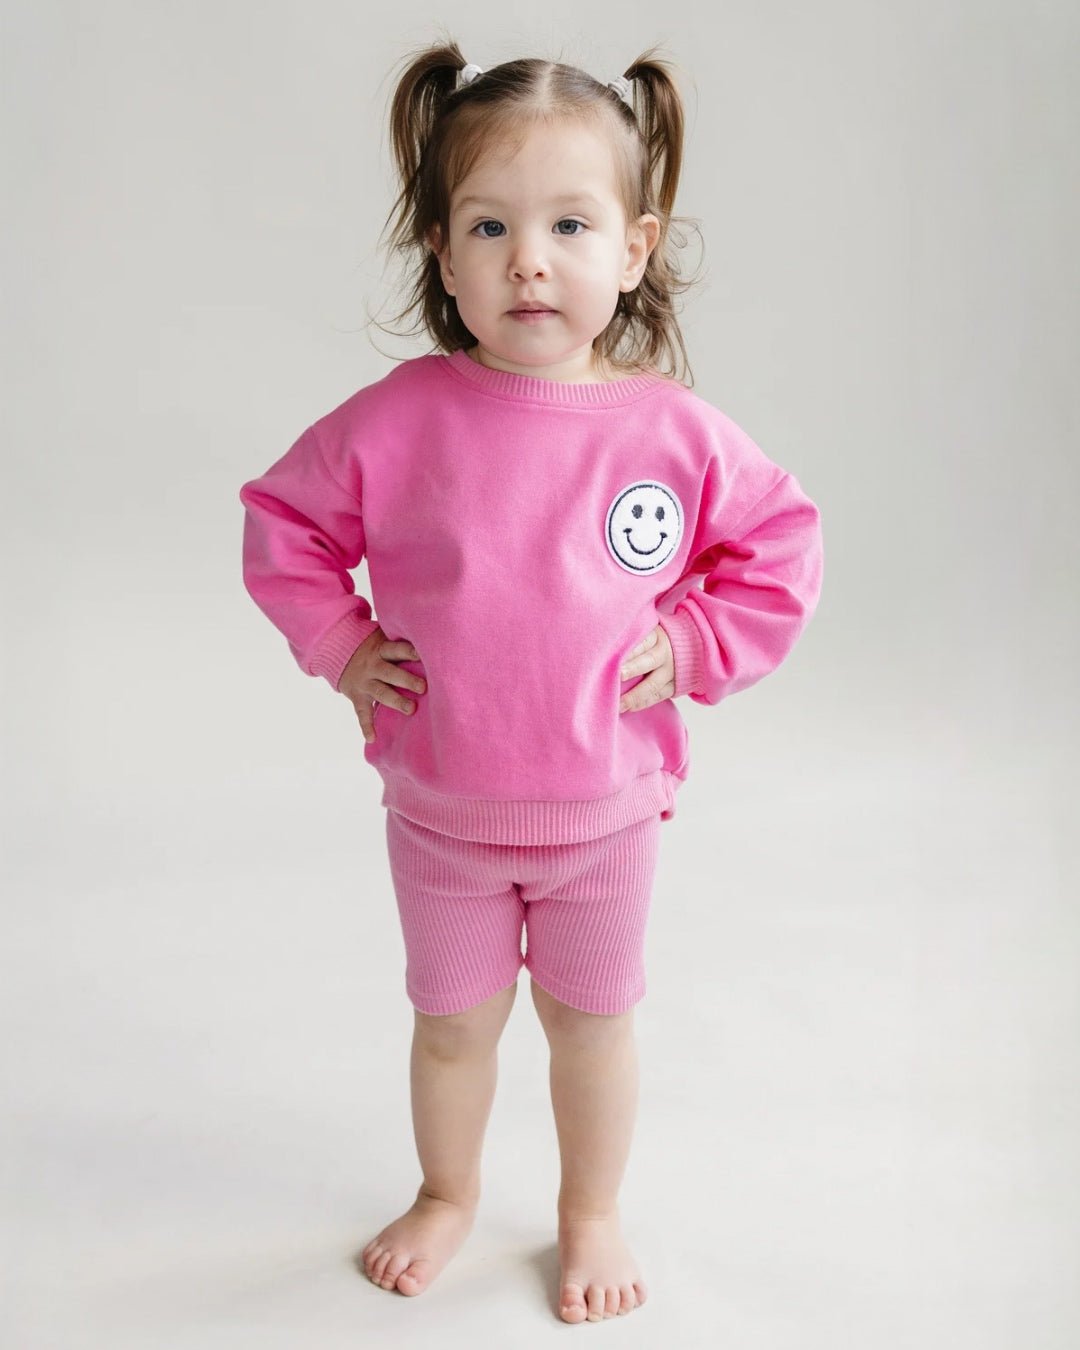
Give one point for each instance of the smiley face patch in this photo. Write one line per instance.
(644, 525)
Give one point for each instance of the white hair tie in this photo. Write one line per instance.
(620, 83)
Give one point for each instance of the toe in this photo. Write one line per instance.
(641, 1292)
(394, 1267)
(413, 1279)
(627, 1298)
(594, 1297)
(572, 1307)
(378, 1265)
(611, 1301)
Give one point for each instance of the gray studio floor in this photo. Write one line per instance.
(857, 1120)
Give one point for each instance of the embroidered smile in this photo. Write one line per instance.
(644, 551)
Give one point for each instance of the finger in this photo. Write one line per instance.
(402, 650)
(649, 640)
(636, 699)
(643, 646)
(392, 674)
(387, 694)
(640, 665)
(644, 695)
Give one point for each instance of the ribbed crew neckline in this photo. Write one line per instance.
(509, 385)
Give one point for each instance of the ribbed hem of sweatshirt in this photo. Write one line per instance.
(531, 822)
(686, 651)
(508, 385)
(337, 646)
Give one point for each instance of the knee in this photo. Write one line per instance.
(474, 1030)
(563, 1022)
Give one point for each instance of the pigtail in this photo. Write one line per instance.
(427, 81)
(646, 317)
(659, 112)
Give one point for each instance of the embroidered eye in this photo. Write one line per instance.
(635, 511)
(659, 513)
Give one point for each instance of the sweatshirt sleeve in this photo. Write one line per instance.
(762, 579)
(302, 533)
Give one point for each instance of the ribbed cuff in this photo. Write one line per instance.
(686, 650)
(496, 821)
(336, 647)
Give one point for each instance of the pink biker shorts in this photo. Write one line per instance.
(462, 903)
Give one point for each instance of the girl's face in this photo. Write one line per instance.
(545, 226)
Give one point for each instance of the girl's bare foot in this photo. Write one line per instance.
(599, 1277)
(410, 1252)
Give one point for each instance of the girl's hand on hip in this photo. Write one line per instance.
(653, 654)
(371, 676)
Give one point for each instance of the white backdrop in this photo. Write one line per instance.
(858, 1091)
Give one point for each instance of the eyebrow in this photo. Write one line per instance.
(565, 197)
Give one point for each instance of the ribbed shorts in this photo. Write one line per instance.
(462, 904)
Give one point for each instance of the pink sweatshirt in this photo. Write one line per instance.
(524, 535)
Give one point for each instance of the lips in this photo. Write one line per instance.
(532, 318)
(532, 309)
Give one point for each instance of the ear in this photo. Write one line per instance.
(434, 238)
(642, 236)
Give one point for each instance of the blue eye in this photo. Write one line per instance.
(480, 224)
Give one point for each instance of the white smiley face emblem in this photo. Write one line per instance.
(644, 526)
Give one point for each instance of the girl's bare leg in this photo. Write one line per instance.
(594, 1088)
(453, 1069)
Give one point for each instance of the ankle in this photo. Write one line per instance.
(571, 1213)
(461, 1198)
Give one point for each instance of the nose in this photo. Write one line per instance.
(528, 257)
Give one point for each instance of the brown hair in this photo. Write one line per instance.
(439, 131)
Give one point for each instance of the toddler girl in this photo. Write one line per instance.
(562, 539)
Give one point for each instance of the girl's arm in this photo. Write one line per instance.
(762, 581)
(302, 533)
